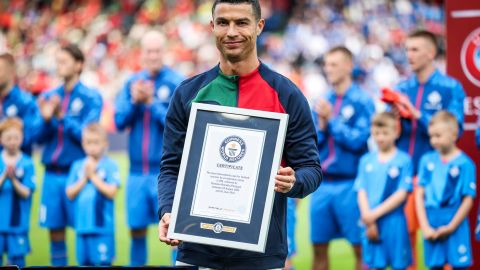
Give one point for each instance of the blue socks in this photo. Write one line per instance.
(138, 251)
(58, 253)
(18, 261)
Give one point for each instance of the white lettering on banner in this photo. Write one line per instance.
(472, 106)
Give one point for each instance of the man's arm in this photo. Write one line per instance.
(174, 139)
(125, 109)
(301, 147)
(159, 112)
(32, 122)
(47, 123)
(353, 138)
(321, 133)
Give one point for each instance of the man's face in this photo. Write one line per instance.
(6, 73)
(152, 55)
(338, 67)
(236, 30)
(420, 53)
(66, 65)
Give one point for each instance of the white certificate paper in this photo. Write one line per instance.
(228, 174)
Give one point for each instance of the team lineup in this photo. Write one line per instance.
(375, 176)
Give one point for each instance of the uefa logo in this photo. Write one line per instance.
(232, 149)
(470, 57)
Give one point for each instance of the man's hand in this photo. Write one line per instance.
(372, 232)
(48, 107)
(285, 180)
(142, 91)
(148, 91)
(163, 229)
(409, 106)
(136, 92)
(323, 108)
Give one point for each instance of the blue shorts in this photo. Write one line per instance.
(14, 245)
(291, 221)
(142, 200)
(95, 249)
(56, 210)
(456, 249)
(393, 248)
(334, 213)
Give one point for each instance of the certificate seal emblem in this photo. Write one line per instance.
(232, 149)
(217, 227)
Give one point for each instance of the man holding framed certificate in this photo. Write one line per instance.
(220, 143)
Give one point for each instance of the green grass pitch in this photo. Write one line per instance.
(159, 254)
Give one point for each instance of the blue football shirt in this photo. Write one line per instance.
(15, 209)
(446, 182)
(94, 213)
(382, 179)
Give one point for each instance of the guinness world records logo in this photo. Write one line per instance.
(232, 149)
(470, 57)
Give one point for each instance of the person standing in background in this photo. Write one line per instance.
(17, 184)
(428, 92)
(65, 111)
(15, 102)
(141, 106)
(241, 80)
(446, 190)
(343, 127)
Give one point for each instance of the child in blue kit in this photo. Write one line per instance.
(383, 182)
(17, 183)
(447, 186)
(92, 184)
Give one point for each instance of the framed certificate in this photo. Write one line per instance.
(225, 188)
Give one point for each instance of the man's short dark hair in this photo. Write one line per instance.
(341, 49)
(257, 11)
(74, 51)
(427, 35)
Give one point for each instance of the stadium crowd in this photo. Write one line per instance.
(136, 53)
(297, 34)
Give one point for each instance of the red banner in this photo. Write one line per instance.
(463, 63)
